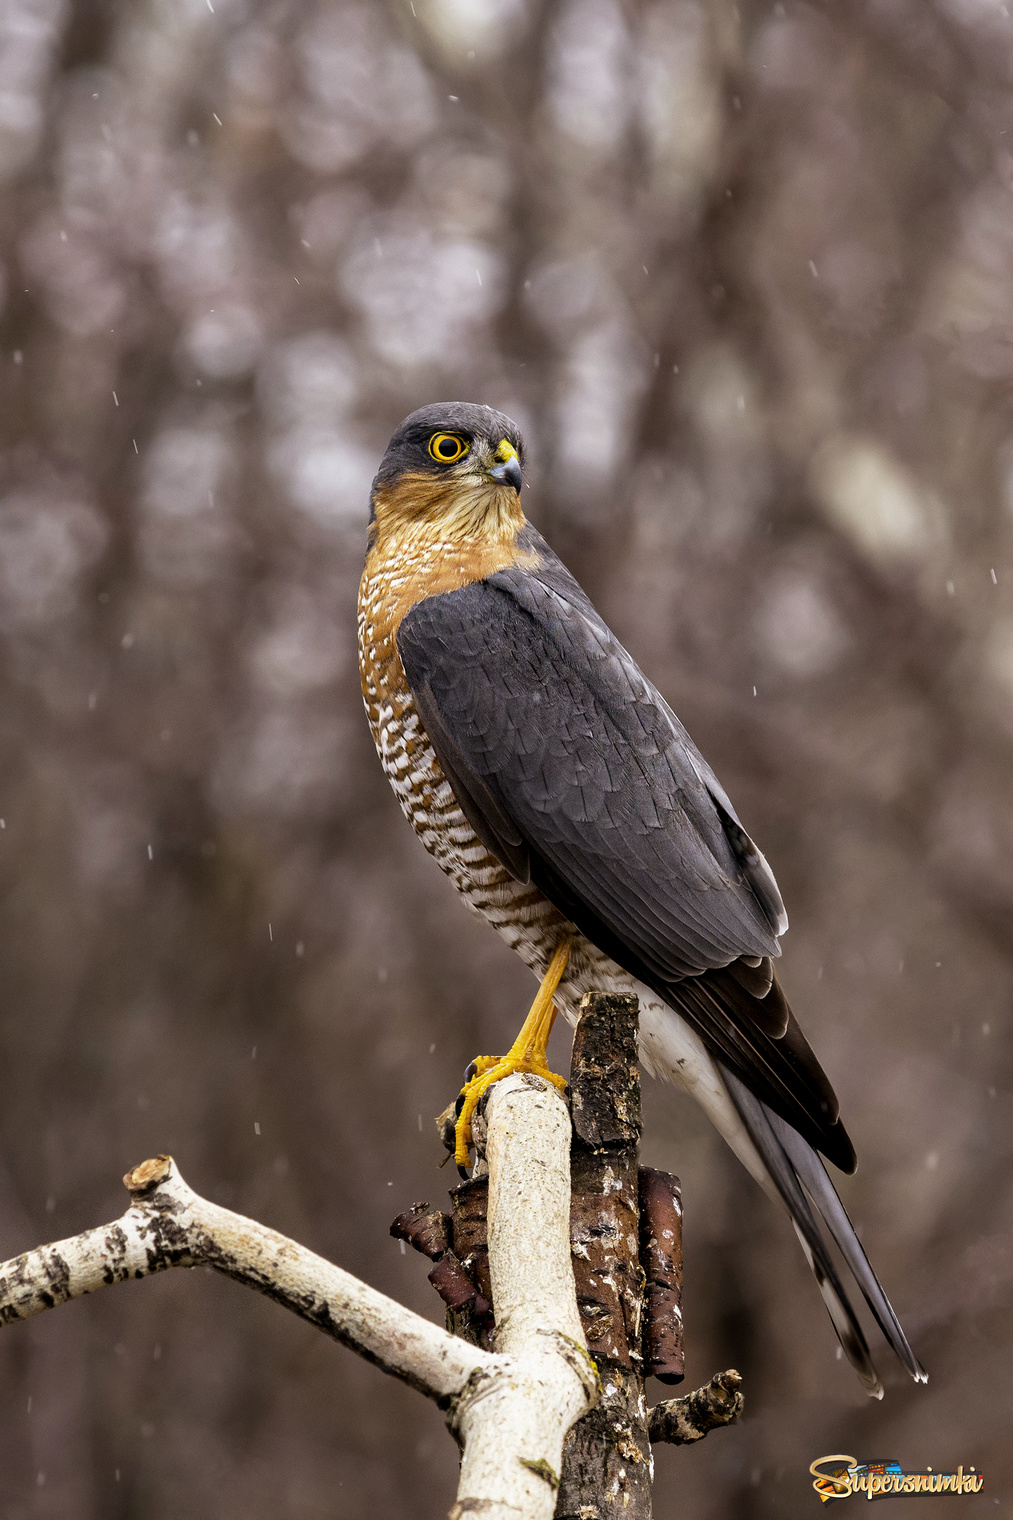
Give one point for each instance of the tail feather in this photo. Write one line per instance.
(788, 1169)
(792, 1164)
(842, 1317)
(756, 1118)
(813, 1176)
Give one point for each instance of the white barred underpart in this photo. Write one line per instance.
(527, 921)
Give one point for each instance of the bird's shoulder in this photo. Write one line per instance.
(403, 571)
(529, 692)
(531, 613)
(521, 590)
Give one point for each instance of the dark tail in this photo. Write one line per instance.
(794, 1165)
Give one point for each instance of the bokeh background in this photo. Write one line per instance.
(744, 273)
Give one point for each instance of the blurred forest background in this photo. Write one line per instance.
(744, 274)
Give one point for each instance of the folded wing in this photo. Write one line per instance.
(576, 773)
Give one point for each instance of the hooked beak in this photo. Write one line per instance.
(508, 473)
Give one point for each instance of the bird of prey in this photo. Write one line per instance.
(560, 793)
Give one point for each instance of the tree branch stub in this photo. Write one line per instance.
(680, 1421)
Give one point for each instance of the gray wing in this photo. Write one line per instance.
(576, 773)
(570, 750)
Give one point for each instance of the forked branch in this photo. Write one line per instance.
(169, 1225)
(510, 1409)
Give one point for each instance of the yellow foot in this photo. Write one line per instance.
(527, 1053)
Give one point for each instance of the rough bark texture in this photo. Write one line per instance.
(661, 1259)
(470, 1235)
(607, 1467)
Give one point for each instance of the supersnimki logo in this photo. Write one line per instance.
(839, 1477)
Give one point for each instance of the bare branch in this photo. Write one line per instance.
(510, 1408)
(169, 1225)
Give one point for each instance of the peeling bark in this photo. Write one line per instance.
(470, 1234)
(661, 1259)
(428, 1232)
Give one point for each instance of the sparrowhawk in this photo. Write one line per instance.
(563, 797)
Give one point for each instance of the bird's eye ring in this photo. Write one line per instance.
(445, 448)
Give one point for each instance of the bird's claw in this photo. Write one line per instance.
(526, 1054)
(486, 1071)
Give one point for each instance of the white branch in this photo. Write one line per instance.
(169, 1225)
(510, 1408)
(513, 1428)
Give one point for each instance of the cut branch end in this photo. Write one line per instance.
(144, 1179)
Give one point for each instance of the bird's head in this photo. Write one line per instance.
(452, 468)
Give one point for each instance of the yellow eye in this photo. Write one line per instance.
(446, 447)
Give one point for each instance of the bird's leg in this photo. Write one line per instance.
(527, 1053)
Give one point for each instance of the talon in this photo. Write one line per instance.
(527, 1054)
